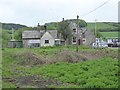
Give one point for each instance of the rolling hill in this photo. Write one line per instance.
(9, 26)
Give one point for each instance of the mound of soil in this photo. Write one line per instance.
(68, 56)
(29, 58)
(91, 55)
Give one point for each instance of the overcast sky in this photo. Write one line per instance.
(30, 12)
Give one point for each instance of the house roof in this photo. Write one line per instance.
(53, 33)
(30, 34)
(37, 34)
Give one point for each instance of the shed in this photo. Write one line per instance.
(15, 44)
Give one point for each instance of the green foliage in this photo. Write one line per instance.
(52, 25)
(55, 25)
(8, 85)
(82, 23)
(77, 75)
(27, 28)
(109, 34)
(84, 47)
(18, 34)
(6, 36)
(98, 34)
(89, 74)
(65, 30)
(100, 26)
(9, 26)
(104, 29)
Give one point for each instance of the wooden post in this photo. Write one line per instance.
(77, 34)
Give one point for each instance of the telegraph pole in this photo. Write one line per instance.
(95, 32)
(38, 29)
(95, 28)
(77, 33)
(13, 34)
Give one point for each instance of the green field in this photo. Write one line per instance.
(106, 29)
(100, 26)
(20, 64)
(109, 34)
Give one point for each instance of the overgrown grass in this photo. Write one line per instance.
(8, 85)
(90, 74)
(86, 72)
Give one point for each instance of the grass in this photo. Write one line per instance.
(109, 34)
(97, 73)
(8, 85)
(0, 68)
(81, 74)
(100, 25)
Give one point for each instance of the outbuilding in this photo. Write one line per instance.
(15, 44)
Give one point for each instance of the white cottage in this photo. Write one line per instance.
(47, 40)
(41, 38)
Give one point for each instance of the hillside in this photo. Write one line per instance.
(9, 26)
(54, 25)
(103, 26)
(104, 29)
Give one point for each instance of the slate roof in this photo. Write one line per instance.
(53, 33)
(34, 34)
(30, 34)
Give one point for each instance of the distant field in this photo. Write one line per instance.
(109, 34)
(100, 25)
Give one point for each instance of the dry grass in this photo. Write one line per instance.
(29, 58)
(68, 56)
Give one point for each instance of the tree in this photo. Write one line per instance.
(18, 34)
(64, 29)
(81, 22)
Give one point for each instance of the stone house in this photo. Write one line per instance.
(39, 38)
(85, 36)
(35, 38)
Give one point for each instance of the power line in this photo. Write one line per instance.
(96, 8)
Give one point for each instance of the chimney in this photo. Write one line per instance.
(45, 27)
(62, 19)
(38, 27)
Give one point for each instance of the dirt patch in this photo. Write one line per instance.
(73, 57)
(33, 81)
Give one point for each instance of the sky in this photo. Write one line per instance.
(31, 12)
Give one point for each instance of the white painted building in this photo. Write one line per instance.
(47, 40)
(41, 38)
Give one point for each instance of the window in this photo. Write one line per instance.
(74, 39)
(74, 30)
(46, 41)
(84, 40)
